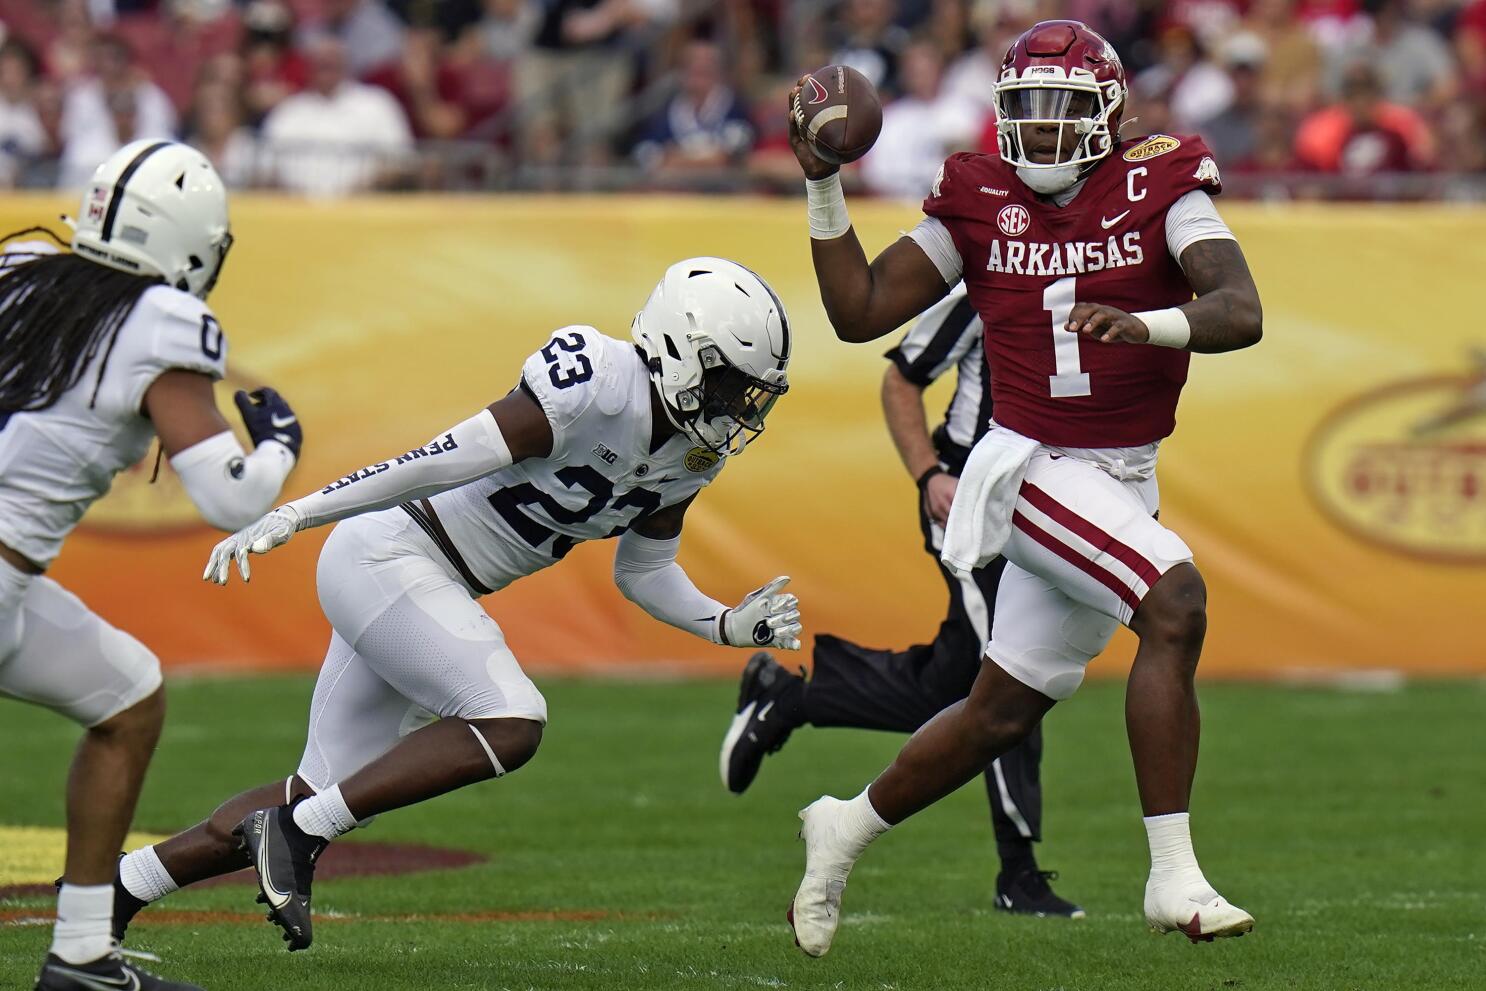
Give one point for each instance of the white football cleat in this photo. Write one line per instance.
(829, 855)
(1195, 910)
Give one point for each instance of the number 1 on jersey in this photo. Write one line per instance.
(1071, 380)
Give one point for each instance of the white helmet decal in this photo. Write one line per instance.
(717, 343)
(156, 208)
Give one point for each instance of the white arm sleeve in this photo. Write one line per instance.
(932, 236)
(229, 488)
(1193, 218)
(646, 572)
(463, 453)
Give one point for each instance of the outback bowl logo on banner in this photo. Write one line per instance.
(1404, 466)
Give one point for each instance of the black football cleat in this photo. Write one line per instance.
(1028, 893)
(126, 907)
(283, 857)
(110, 973)
(769, 710)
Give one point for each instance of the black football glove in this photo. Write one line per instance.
(268, 417)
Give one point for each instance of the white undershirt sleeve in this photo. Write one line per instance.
(228, 487)
(934, 238)
(1193, 218)
(463, 453)
(646, 573)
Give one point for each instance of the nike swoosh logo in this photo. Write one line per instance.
(276, 898)
(763, 714)
(129, 982)
(1108, 223)
(280, 422)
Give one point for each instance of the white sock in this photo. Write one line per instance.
(144, 876)
(325, 815)
(84, 921)
(861, 822)
(1172, 859)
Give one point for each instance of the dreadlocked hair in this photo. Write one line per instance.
(58, 311)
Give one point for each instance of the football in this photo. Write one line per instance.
(839, 113)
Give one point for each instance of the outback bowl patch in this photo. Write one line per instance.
(699, 459)
(1152, 147)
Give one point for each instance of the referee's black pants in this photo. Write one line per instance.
(901, 690)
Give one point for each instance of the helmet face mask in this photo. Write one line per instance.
(1058, 104)
(733, 405)
(717, 345)
(223, 245)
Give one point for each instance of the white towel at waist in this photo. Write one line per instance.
(980, 517)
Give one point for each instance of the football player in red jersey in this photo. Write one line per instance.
(1082, 253)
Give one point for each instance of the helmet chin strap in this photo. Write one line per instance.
(1049, 180)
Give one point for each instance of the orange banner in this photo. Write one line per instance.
(1330, 480)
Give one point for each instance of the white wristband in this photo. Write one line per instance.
(1168, 328)
(826, 204)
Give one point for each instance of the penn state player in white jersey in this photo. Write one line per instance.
(103, 349)
(419, 694)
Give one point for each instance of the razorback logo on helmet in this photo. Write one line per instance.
(1207, 171)
(1153, 147)
(934, 190)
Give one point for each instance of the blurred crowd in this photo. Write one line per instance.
(327, 97)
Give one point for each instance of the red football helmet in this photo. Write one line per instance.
(1058, 75)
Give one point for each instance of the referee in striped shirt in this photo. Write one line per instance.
(901, 690)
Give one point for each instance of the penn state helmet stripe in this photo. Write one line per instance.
(778, 306)
(116, 199)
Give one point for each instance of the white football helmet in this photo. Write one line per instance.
(716, 341)
(156, 208)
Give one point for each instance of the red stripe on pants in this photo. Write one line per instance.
(1102, 575)
(1063, 516)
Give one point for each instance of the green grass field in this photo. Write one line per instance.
(1351, 825)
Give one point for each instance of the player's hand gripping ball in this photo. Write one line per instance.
(835, 116)
(764, 618)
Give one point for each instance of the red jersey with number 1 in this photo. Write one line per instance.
(1027, 261)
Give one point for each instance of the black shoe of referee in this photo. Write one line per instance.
(1029, 893)
(769, 710)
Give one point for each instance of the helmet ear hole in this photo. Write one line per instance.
(196, 264)
(671, 348)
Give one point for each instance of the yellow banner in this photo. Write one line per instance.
(1330, 480)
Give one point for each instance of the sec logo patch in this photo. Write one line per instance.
(1013, 220)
